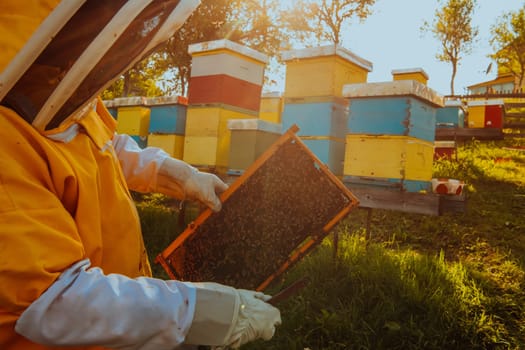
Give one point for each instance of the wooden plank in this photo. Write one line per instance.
(409, 202)
(460, 134)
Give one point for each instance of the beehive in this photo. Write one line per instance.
(201, 152)
(417, 74)
(326, 117)
(403, 108)
(171, 143)
(275, 213)
(226, 72)
(111, 107)
(142, 141)
(322, 71)
(271, 107)
(133, 116)
(444, 149)
(329, 150)
(388, 159)
(485, 113)
(494, 114)
(249, 139)
(207, 137)
(452, 115)
(167, 115)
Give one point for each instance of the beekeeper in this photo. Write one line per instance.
(73, 268)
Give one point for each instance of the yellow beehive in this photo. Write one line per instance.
(271, 107)
(322, 71)
(417, 74)
(476, 114)
(388, 157)
(210, 120)
(133, 120)
(201, 151)
(171, 143)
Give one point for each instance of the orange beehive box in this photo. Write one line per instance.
(282, 206)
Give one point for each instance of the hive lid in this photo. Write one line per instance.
(328, 50)
(254, 124)
(282, 206)
(166, 100)
(410, 71)
(225, 44)
(394, 88)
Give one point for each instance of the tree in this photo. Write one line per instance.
(452, 26)
(325, 19)
(254, 23)
(508, 42)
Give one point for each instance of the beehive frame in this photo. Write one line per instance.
(279, 209)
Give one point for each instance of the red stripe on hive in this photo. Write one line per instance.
(224, 89)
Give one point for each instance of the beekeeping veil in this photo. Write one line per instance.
(79, 49)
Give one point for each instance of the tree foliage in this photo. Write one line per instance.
(452, 26)
(508, 42)
(254, 23)
(324, 20)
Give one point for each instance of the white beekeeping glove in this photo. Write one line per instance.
(225, 316)
(180, 180)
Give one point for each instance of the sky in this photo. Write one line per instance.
(391, 39)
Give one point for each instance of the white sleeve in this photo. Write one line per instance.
(140, 166)
(85, 307)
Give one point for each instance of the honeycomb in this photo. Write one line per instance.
(287, 200)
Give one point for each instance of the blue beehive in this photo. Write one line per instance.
(168, 115)
(404, 107)
(322, 118)
(450, 116)
(142, 141)
(111, 107)
(329, 151)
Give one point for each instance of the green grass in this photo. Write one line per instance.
(413, 282)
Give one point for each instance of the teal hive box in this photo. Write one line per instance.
(452, 115)
(329, 151)
(168, 115)
(404, 107)
(322, 118)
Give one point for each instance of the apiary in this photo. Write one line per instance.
(452, 115)
(417, 74)
(271, 107)
(167, 115)
(226, 72)
(403, 108)
(322, 71)
(133, 116)
(280, 208)
(249, 139)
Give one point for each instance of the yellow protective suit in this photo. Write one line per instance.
(69, 231)
(88, 209)
(88, 212)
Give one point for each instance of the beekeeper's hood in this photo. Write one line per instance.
(57, 56)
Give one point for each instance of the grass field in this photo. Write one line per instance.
(414, 282)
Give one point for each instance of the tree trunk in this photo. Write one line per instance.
(454, 70)
(126, 88)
